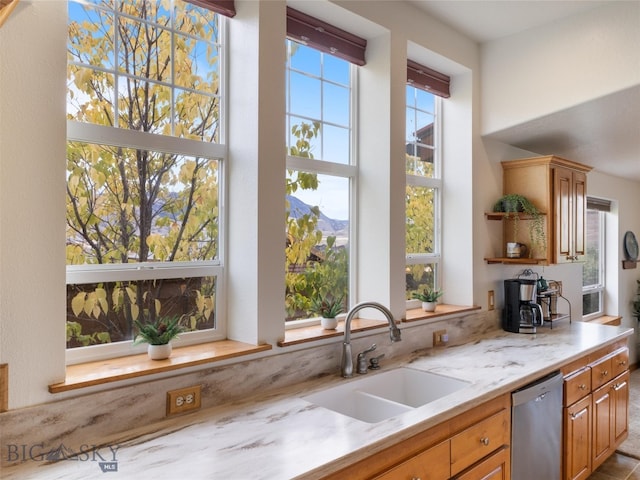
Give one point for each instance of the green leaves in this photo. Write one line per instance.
(160, 332)
(92, 303)
(427, 295)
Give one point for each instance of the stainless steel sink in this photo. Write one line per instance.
(377, 397)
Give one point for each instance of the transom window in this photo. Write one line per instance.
(144, 172)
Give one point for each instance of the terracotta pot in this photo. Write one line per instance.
(159, 352)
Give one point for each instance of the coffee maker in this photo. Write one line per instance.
(521, 313)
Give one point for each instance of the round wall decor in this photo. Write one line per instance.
(630, 246)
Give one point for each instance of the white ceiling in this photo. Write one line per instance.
(603, 133)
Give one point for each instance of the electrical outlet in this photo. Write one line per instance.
(4, 387)
(440, 338)
(183, 400)
(491, 300)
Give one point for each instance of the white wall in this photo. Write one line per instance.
(428, 42)
(625, 216)
(32, 202)
(538, 72)
(560, 65)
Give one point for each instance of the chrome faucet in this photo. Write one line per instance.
(347, 359)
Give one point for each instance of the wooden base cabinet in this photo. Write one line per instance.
(596, 410)
(471, 446)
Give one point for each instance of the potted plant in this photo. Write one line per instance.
(428, 297)
(158, 334)
(513, 204)
(636, 304)
(327, 308)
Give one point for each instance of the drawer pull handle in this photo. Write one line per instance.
(604, 373)
(416, 478)
(582, 386)
(484, 441)
(622, 363)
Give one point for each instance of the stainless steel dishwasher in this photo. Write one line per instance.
(536, 430)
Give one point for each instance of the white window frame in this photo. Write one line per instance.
(90, 273)
(599, 287)
(326, 167)
(435, 182)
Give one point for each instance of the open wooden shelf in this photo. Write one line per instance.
(518, 261)
(503, 215)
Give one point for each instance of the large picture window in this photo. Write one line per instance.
(320, 175)
(144, 171)
(423, 190)
(593, 270)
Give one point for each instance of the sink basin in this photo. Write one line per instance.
(378, 397)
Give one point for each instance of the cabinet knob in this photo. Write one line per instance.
(582, 386)
(416, 478)
(622, 363)
(484, 441)
(604, 373)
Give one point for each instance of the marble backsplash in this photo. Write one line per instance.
(104, 417)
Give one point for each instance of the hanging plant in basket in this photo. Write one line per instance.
(513, 205)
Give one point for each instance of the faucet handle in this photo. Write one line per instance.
(374, 362)
(362, 359)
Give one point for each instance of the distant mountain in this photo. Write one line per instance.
(328, 226)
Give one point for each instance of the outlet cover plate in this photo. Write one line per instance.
(184, 400)
(491, 300)
(439, 338)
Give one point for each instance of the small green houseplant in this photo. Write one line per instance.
(158, 334)
(429, 296)
(513, 205)
(328, 308)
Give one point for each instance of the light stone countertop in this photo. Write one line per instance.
(282, 436)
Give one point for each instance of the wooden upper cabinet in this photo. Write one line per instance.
(558, 187)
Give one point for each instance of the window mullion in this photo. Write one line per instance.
(316, 166)
(105, 135)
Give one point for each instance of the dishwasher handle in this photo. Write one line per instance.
(537, 390)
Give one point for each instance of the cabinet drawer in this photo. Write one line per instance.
(577, 386)
(496, 467)
(620, 362)
(432, 464)
(479, 440)
(601, 372)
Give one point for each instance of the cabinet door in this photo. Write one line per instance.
(579, 211)
(494, 467)
(602, 444)
(577, 440)
(620, 408)
(570, 192)
(432, 464)
(563, 222)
